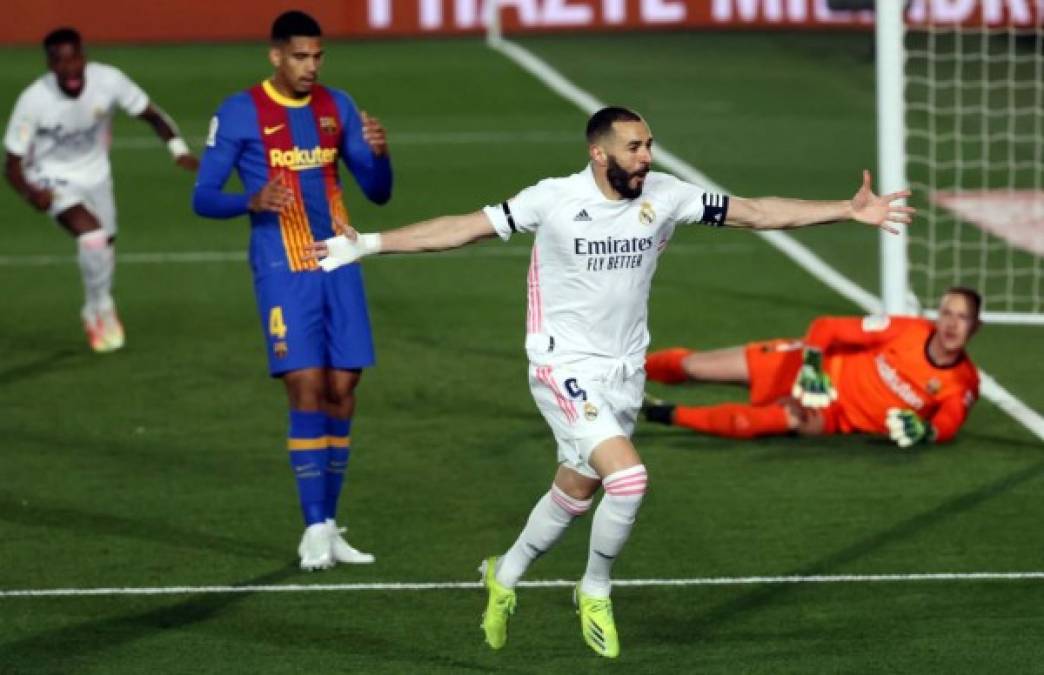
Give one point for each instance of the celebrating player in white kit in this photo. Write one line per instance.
(598, 236)
(57, 145)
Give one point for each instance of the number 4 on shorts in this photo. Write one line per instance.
(276, 326)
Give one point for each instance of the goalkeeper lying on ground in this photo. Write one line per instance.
(906, 377)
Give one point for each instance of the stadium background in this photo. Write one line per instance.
(161, 466)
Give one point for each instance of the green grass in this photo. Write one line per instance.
(162, 465)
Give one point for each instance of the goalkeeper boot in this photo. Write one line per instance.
(341, 550)
(597, 624)
(314, 549)
(112, 329)
(500, 605)
(657, 410)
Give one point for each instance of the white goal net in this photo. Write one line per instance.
(974, 118)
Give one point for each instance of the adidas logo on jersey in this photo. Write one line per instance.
(582, 217)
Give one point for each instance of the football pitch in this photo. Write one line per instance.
(163, 466)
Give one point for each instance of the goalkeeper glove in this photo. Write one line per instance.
(341, 250)
(813, 388)
(906, 428)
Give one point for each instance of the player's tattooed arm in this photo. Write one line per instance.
(438, 234)
(39, 198)
(778, 213)
(168, 132)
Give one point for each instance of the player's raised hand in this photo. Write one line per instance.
(880, 211)
(188, 162)
(343, 249)
(275, 196)
(374, 134)
(813, 388)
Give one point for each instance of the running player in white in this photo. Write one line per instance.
(599, 234)
(57, 144)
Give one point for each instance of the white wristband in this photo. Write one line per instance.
(178, 147)
(369, 243)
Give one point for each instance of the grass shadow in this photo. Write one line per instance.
(706, 622)
(48, 517)
(60, 359)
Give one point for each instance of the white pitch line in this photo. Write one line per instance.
(551, 583)
(789, 246)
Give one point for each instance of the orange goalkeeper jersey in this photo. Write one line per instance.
(878, 363)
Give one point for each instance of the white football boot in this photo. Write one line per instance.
(314, 549)
(342, 551)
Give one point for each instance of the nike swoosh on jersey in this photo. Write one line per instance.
(271, 130)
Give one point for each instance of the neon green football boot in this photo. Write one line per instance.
(499, 607)
(597, 624)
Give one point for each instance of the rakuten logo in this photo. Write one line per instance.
(436, 15)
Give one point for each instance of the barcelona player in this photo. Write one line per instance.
(284, 137)
(904, 377)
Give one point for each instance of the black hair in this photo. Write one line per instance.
(61, 36)
(971, 295)
(294, 24)
(601, 123)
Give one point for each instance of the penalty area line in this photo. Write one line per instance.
(551, 583)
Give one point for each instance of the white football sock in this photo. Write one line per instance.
(547, 522)
(97, 260)
(612, 524)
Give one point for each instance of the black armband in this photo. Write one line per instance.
(715, 209)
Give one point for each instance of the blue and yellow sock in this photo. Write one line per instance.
(338, 439)
(308, 457)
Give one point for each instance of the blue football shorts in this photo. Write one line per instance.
(314, 319)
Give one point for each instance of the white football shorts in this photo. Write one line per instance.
(96, 198)
(584, 408)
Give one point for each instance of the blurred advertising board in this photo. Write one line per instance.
(210, 20)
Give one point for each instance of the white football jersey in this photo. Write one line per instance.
(593, 261)
(67, 139)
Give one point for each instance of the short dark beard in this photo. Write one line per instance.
(619, 180)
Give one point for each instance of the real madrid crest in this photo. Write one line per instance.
(646, 214)
(590, 411)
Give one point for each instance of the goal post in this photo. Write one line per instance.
(961, 118)
(891, 154)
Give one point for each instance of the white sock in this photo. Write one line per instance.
(547, 522)
(97, 261)
(612, 524)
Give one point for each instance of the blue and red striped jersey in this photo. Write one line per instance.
(263, 134)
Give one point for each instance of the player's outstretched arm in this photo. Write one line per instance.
(437, 234)
(778, 213)
(168, 132)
